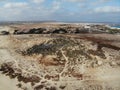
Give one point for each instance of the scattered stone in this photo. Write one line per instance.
(99, 62)
(52, 88)
(19, 85)
(62, 86)
(113, 63)
(39, 87)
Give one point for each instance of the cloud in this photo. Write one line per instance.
(38, 1)
(15, 5)
(107, 9)
(28, 11)
(104, 0)
(56, 5)
(13, 10)
(100, 2)
(74, 0)
(63, 10)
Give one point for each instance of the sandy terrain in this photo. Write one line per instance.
(60, 62)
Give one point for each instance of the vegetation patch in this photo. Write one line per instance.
(8, 70)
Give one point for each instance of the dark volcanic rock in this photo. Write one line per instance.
(39, 87)
(36, 31)
(47, 48)
(60, 31)
(54, 31)
(19, 32)
(7, 69)
(30, 31)
(5, 32)
(81, 30)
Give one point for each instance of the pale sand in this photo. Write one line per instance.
(8, 84)
(11, 84)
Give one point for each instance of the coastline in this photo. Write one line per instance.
(113, 27)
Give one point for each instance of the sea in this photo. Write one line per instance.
(115, 26)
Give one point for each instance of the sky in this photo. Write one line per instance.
(60, 10)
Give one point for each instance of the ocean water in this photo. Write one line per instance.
(115, 26)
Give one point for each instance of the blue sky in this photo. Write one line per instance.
(60, 10)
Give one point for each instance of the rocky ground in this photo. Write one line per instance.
(55, 28)
(60, 62)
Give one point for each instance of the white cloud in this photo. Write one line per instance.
(99, 2)
(107, 9)
(75, 0)
(13, 10)
(15, 5)
(56, 5)
(38, 1)
(25, 11)
(57, 10)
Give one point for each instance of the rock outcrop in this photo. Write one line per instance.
(4, 33)
(30, 31)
